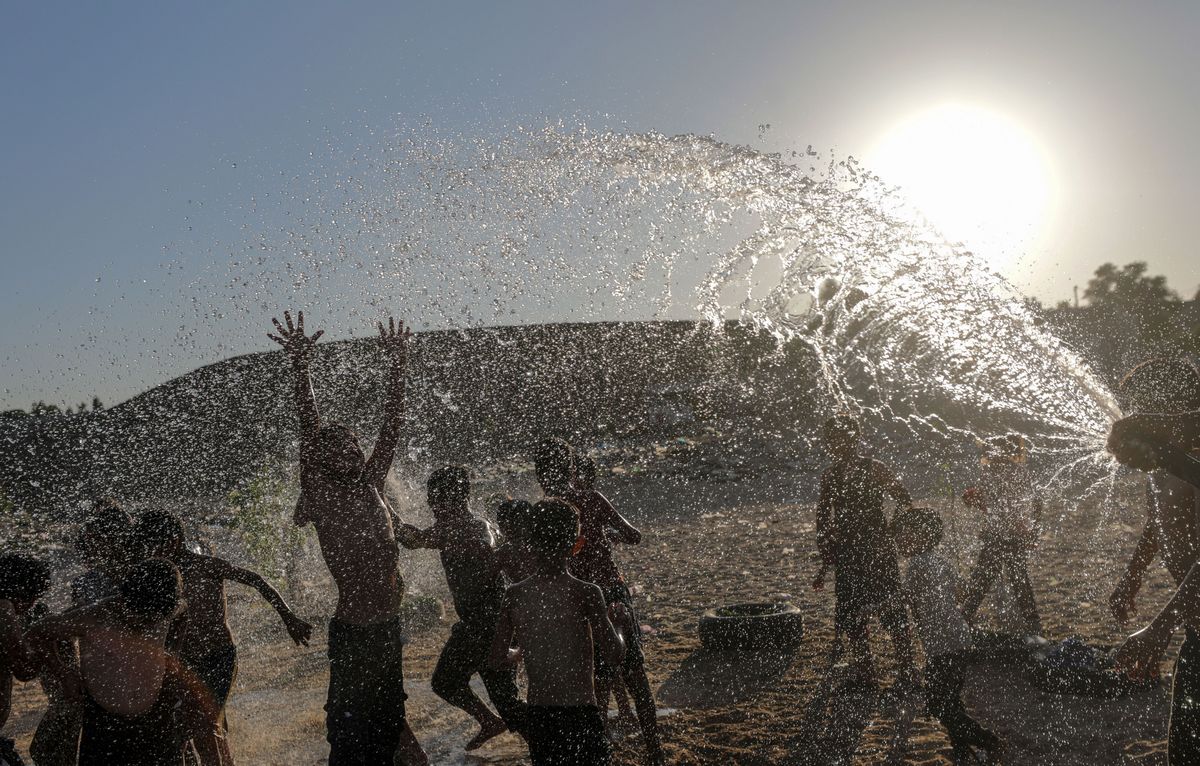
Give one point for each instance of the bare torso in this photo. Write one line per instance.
(555, 637)
(123, 670)
(358, 543)
(1174, 504)
(205, 624)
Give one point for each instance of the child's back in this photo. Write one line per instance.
(930, 584)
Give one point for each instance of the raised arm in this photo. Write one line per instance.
(626, 532)
(298, 629)
(394, 339)
(300, 348)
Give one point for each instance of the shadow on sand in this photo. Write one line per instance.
(710, 679)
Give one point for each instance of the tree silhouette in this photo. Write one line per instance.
(1129, 288)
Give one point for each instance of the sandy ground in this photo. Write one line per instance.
(708, 543)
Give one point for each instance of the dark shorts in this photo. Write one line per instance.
(866, 588)
(364, 712)
(217, 670)
(635, 656)
(154, 738)
(565, 736)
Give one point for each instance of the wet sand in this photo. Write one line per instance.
(752, 710)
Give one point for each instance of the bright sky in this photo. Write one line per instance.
(118, 117)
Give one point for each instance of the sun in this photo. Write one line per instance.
(975, 174)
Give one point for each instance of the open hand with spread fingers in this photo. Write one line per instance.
(297, 345)
(394, 338)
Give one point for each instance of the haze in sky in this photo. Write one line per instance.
(1049, 139)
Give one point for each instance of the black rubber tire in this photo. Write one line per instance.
(752, 627)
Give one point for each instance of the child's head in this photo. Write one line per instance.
(338, 453)
(553, 462)
(585, 472)
(917, 530)
(106, 537)
(448, 489)
(553, 531)
(152, 591)
(23, 580)
(514, 518)
(841, 433)
(1161, 385)
(159, 533)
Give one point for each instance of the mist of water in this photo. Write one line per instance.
(912, 332)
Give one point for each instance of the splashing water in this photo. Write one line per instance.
(910, 331)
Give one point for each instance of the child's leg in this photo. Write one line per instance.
(858, 637)
(1017, 564)
(894, 618)
(502, 690)
(1183, 728)
(410, 751)
(982, 576)
(621, 696)
(633, 670)
(451, 681)
(647, 714)
(944, 677)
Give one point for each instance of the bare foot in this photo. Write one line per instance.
(486, 732)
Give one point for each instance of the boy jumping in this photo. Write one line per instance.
(477, 588)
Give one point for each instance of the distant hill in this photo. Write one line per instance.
(473, 396)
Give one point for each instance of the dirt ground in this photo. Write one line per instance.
(710, 543)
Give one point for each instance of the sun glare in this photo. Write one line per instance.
(976, 175)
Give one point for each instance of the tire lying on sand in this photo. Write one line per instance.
(752, 627)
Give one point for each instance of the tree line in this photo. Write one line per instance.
(42, 409)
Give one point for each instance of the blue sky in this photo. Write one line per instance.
(121, 119)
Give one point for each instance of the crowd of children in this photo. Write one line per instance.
(138, 670)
